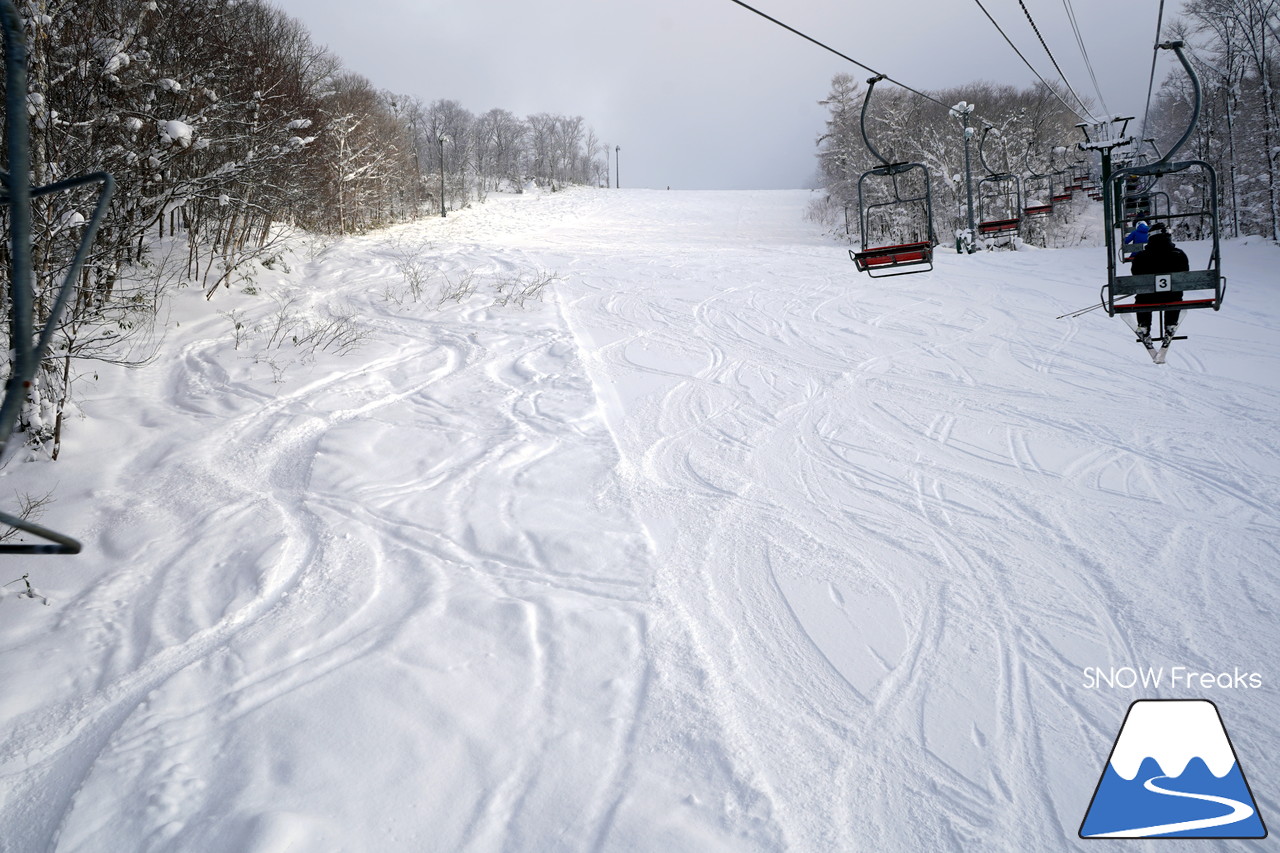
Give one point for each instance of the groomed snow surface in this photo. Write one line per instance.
(720, 546)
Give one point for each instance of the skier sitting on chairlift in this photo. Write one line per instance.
(1137, 239)
(1159, 257)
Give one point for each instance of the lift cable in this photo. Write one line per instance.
(1054, 60)
(1155, 54)
(1084, 53)
(1070, 108)
(838, 53)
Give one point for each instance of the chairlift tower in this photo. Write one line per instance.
(1106, 137)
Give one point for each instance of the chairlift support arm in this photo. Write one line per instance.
(16, 192)
(982, 144)
(1176, 47)
(862, 120)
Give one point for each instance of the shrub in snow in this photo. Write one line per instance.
(30, 591)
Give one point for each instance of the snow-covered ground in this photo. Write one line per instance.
(719, 546)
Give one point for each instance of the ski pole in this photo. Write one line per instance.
(1081, 311)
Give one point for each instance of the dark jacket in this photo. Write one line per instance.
(1160, 256)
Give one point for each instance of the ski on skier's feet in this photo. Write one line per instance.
(1145, 340)
(1168, 338)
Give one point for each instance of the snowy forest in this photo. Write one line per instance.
(1233, 47)
(222, 123)
(1030, 134)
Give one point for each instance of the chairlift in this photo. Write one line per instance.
(1079, 178)
(1056, 184)
(891, 204)
(1038, 193)
(1035, 206)
(29, 345)
(1141, 202)
(1149, 207)
(1091, 187)
(999, 199)
(1208, 284)
(1065, 191)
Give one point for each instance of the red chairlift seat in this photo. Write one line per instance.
(1038, 210)
(1060, 197)
(889, 259)
(998, 227)
(1133, 307)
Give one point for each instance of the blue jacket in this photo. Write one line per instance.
(1138, 236)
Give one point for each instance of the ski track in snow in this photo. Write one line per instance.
(719, 547)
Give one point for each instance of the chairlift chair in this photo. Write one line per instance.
(1208, 279)
(1054, 183)
(1079, 175)
(999, 200)
(1149, 207)
(909, 253)
(1208, 284)
(1038, 208)
(1062, 193)
(999, 206)
(1135, 207)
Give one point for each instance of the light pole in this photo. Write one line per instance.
(441, 139)
(962, 111)
(617, 166)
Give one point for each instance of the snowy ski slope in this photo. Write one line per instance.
(719, 547)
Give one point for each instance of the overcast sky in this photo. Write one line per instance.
(703, 94)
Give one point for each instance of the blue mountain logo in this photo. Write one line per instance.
(1172, 773)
